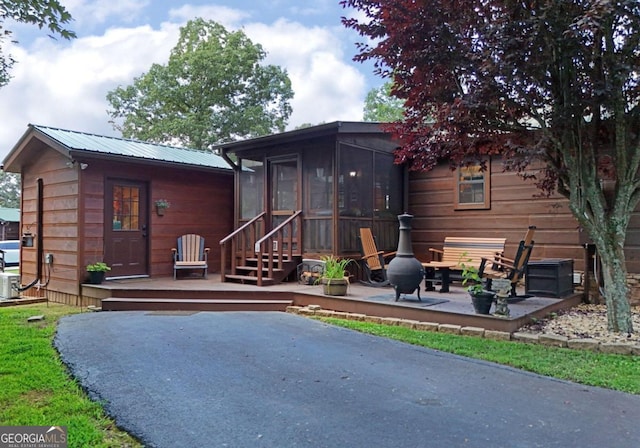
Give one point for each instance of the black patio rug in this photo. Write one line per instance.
(407, 299)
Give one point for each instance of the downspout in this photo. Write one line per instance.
(39, 237)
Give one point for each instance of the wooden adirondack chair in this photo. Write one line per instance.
(190, 254)
(374, 259)
(511, 269)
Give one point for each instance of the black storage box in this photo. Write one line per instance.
(550, 278)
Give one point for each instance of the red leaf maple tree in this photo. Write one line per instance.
(554, 83)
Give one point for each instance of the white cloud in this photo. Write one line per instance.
(326, 86)
(64, 84)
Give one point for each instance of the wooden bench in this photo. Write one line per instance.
(466, 250)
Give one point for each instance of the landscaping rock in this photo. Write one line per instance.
(449, 328)
(373, 319)
(617, 348)
(407, 323)
(389, 321)
(497, 335)
(530, 338)
(584, 344)
(553, 340)
(472, 331)
(427, 326)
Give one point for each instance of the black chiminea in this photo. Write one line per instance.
(405, 272)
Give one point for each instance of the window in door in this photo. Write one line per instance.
(126, 207)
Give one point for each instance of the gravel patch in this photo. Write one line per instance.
(585, 322)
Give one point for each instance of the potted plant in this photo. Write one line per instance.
(481, 299)
(161, 206)
(334, 279)
(97, 272)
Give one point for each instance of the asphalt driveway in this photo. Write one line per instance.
(281, 380)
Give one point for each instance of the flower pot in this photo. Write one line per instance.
(160, 211)
(96, 277)
(334, 286)
(482, 302)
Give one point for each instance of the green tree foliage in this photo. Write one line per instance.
(49, 14)
(9, 190)
(551, 81)
(380, 105)
(212, 90)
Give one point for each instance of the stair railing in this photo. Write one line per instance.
(242, 240)
(281, 237)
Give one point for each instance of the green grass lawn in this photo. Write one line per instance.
(618, 372)
(35, 388)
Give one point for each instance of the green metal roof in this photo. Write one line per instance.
(100, 144)
(10, 214)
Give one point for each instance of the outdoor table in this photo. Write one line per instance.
(430, 278)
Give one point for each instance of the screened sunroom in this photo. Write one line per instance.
(337, 178)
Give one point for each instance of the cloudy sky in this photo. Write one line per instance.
(64, 83)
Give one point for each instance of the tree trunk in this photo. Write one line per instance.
(616, 291)
(605, 213)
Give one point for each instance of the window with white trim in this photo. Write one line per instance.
(473, 187)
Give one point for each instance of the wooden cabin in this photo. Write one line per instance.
(9, 223)
(306, 193)
(270, 201)
(88, 198)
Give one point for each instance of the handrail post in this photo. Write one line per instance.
(223, 256)
(258, 264)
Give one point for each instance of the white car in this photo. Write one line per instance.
(11, 250)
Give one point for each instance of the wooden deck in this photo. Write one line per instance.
(197, 294)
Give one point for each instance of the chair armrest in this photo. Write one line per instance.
(436, 254)
(377, 254)
(499, 263)
(389, 254)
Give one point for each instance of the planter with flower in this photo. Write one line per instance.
(161, 206)
(334, 278)
(97, 272)
(481, 298)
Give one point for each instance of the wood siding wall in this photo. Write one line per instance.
(60, 221)
(513, 209)
(201, 202)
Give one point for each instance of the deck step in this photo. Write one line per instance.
(160, 304)
(255, 269)
(251, 279)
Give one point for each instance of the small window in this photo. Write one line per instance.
(473, 186)
(126, 207)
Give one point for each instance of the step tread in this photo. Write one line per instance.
(255, 268)
(247, 277)
(250, 278)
